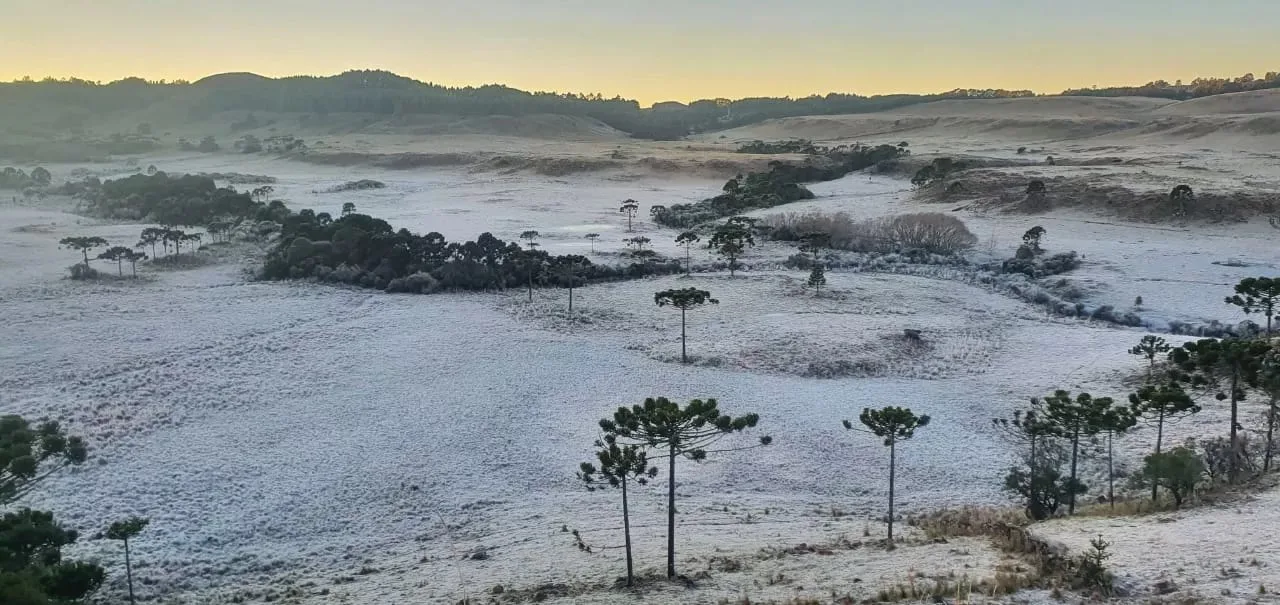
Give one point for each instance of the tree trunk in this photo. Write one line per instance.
(626, 530)
(733, 264)
(1271, 427)
(671, 515)
(684, 355)
(86, 256)
(128, 570)
(1234, 470)
(133, 266)
(892, 463)
(530, 285)
(1111, 473)
(688, 266)
(120, 267)
(1155, 487)
(1075, 448)
(571, 300)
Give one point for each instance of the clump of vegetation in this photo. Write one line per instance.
(206, 145)
(361, 250)
(731, 240)
(937, 172)
(1178, 471)
(16, 178)
(33, 569)
(187, 200)
(803, 146)
(781, 184)
(360, 185)
(930, 232)
(1091, 568)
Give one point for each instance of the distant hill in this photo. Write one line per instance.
(31, 107)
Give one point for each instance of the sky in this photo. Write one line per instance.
(653, 50)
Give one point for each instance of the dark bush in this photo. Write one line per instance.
(780, 185)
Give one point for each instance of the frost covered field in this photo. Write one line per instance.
(347, 446)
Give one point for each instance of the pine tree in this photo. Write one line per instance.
(618, 465)
(1149, 348)
(681, 432)
(1257, 295)
(687, 240)
(684, 299)
(817, 279)
(124, 531)
(1072, 419)
(893, 424)
(629, 208)
(1161, 404)
(1231, 365)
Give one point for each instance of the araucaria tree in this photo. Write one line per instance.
(684, 299)
(629, 208)
(1181, 196)
(1072, 419)
(688, 431)
(592, 237)
(118, 254)
(566, 270)
(1269, 383)
(32, 567)
(348, 208)
(1040, 485)
(1160, 405)
(1149, 348)
(124, 531)
(1231, 365)
(618, 465)
(150, 237)
(1114, 421)
(30, 454)
(1257, 295)
(817, 279)
(687, 240)
(83, 244)
(531, 239)
(731, 241)
(133, 257)
(893, 424)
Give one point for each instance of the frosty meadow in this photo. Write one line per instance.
(365, 340)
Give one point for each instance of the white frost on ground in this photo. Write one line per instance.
(285, 434)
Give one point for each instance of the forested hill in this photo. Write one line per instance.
(379, 92)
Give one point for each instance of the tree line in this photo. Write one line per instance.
(34, 569)
(633, 435)
(1052, 431)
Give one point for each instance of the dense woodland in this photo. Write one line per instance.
(1199, 87)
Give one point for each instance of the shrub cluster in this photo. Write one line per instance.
(780, 185)
(359, 185)
(804, 146)
(16, 178)
(1037, 266)
(182, 200)
(930, 232)
(360, 250)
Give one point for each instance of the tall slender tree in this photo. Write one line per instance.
(133, 258)
(83, 244)
(592, 237)
(567, 269)
(893, 424)
(124, 531)
(731, 241)
(629, 208)
(687, 241)
(1231, 366)
(687, 432)
(1149, 348)
(1072, 419)
(817, 279)
(1161, 404)
(684, 299)
(1257, 295)
(1269, 383)
(618, 465)
(118, 254)
(1114, 420)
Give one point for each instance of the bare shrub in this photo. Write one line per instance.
(931, 232)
